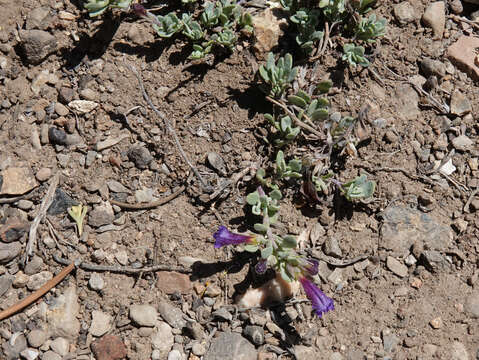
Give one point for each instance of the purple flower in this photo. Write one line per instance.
(261, 266)
(321, 303)
(309, 267)
(225, 237)
(139, 10)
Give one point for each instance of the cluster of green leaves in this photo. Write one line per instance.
(279, 75)
(309, 19)
(98, 7)
(216, 24)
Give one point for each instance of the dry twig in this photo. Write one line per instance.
(47, 201)
(474, 24)
(295, 118)
(39, 293)
(150, 205)
(123, 269)
(207, 188)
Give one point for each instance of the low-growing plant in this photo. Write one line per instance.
(354, 55)
(275, 251)
(290, 170)
(277, 76)
(306, 21)
(98, 7)
(369, 29)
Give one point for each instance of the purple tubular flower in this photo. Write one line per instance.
(139, 10)
(261, 267)
(321, 303)
(308, 266)
(225, 237)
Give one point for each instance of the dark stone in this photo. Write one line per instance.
(255, 334)
(61, 202)
(57, 136)
(13, 230)
(65, 95)
(140, 156)
(37, 45)
(12, 351)
(231, 346)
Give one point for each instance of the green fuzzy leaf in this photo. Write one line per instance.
(261, 228)
(266, 252)
(296, 100)
(289, 241)
(251, 248)
(321, 114)
(252, 198)
(285, 274)
(295, 165)
(275, 195)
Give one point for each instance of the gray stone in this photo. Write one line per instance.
(5, 283)
(143, 315)
(460, 104)
(50, 355)
(122, 257)
(163, 339)
(434, 261)
(471, 305)
(254, 333)
(36, 281)
(34, 266)
(433, 67)
(43, 174)
(100, 323)
(29, 354)
(435, 17)
(36, 338)
(196, 330)
(62, 315)
(359, 355)
(331, 247)
(222, 314)
(117, 187)
(217, 163)
(37, 45)
(25, 204)
(60, 345)
(230, 346)
(101, 215)
(402, 227)
(88, 94)
(336, 356)
(13, 347)
(396, 267)
(172, 315)
(38, 18)
(462, 143)
(90, 158)
(9, 251)
(96, 282)
(140, 156)
(336, 277)
(404, 12)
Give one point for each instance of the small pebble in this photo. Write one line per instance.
(436, 323)
(96, 282)
(43, 174)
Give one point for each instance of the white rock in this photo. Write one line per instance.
(100, 323)
(60, 345)
(96, 282)
(143, 315)
(62, 315)
(162, 339)
(83, 106)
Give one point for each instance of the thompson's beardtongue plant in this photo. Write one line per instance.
(277, 252)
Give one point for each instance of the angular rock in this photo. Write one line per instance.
(172, 315)
(50, 355)
(404, 12)
(140, 156)
(60, 345)
(163, 339)
(96, 282)
(402, 227)
(255, 334)
(83, 106)
(331, 247)
(109, 142)
(117, 187)
(13, 230)
(462, 54)
(36, 281)
(267, 30)
(435, 17)
(37, 337)
(17, 181)
(37, 45)
(5, 282)
(305, 352)
(434, 260)
(433, 67)
(101, 215)
(100, 323)
(460, 104)
(62, 315)
(34, 266)
(38, 18)
(230, 346)
(13, 347)
(21, 280)
(170, 282)
(407, 101)
(9, 251)
(462, 143)
(143, 315)
(109, 347)
(396, 267)
(61, 202)
(217, 163)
